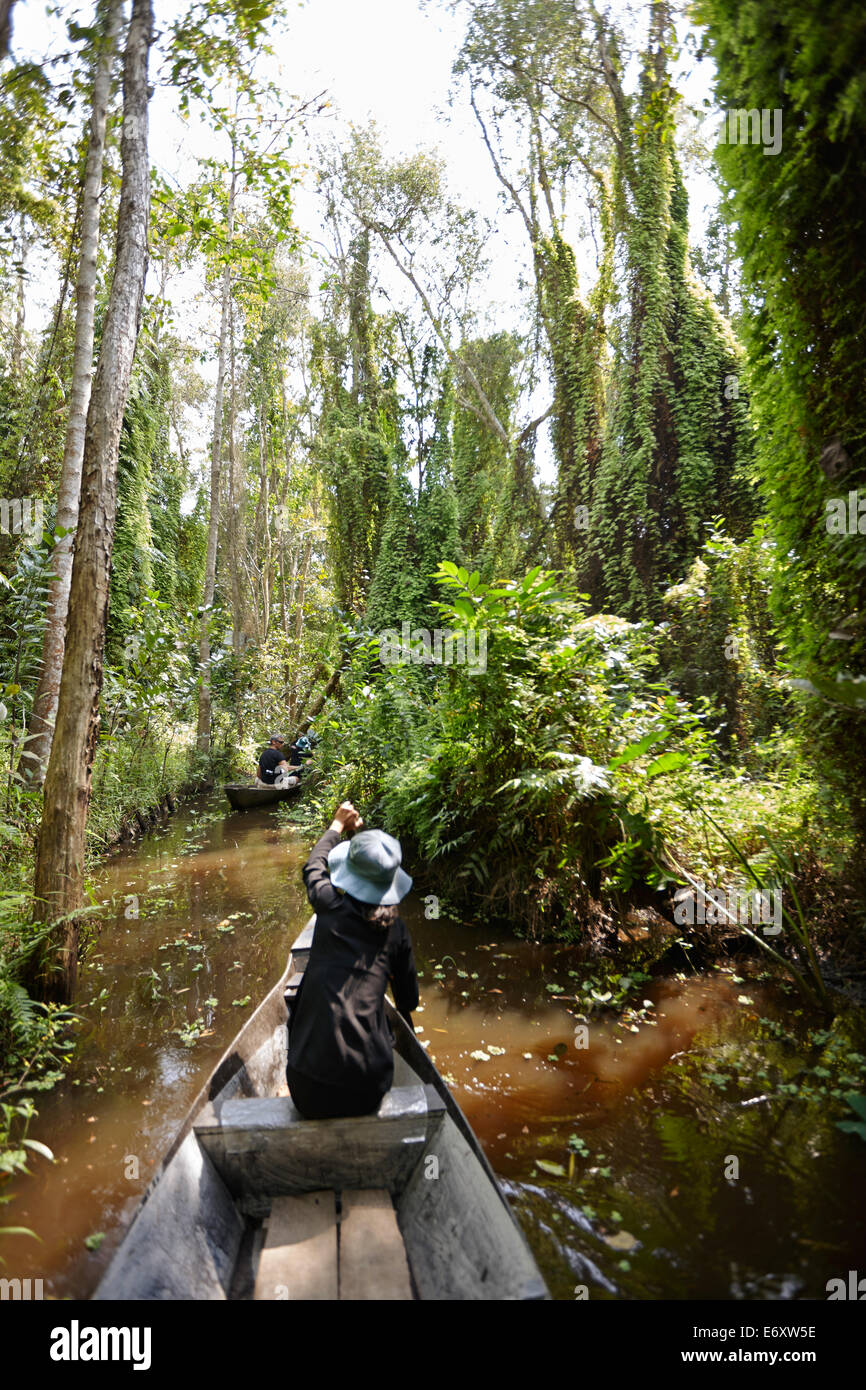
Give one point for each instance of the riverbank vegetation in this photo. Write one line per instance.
(276, 416)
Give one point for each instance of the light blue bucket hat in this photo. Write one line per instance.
(368, 867)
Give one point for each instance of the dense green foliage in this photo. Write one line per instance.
(798, 222)
(613, 505)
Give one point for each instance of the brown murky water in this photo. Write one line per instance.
(615, 1146)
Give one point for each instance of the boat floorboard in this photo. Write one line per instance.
(373, 1263)
(299, 1256)
(328, 1246)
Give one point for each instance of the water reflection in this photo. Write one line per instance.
(614, 1152)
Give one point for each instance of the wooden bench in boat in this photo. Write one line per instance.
(262, 1146)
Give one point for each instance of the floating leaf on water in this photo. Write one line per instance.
(495, 1051)
(556, 1170)
(744, 999)
(556, 989)
(93, 1242)
(623, 1240)
(480, 1056)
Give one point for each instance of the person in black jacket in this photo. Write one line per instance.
(340, 1059)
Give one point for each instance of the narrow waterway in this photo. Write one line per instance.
(652, 1155)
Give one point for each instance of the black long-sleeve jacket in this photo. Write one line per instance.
(339, 1033)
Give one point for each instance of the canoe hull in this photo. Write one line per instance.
(244, 798)
(198, 1232)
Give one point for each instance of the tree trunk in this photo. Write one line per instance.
(203, 729)
(319, 705)
(58, 884)
(24, 244)
(5, 26)
(35, 758)
(295, 706)
(234, 540)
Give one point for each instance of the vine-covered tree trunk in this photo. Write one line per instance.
(60, 854)
(204, 700)
(35, 759)
(677, 449)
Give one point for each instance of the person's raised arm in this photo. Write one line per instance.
(317, 879)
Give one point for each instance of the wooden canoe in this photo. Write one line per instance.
(254, 1202)
(245, 798)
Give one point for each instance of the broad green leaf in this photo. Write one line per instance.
(39, 1148)
(667, 763)
(635, 750)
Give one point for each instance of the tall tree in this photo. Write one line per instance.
(405, 204)
(58, 885)
(35, 759)
(358, 423)
(6, 7)
(676, 435)
(204, 651)
(527, 62)
(256, 170)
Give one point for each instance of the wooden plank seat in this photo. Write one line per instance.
(294, 985)
(263, 1146)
